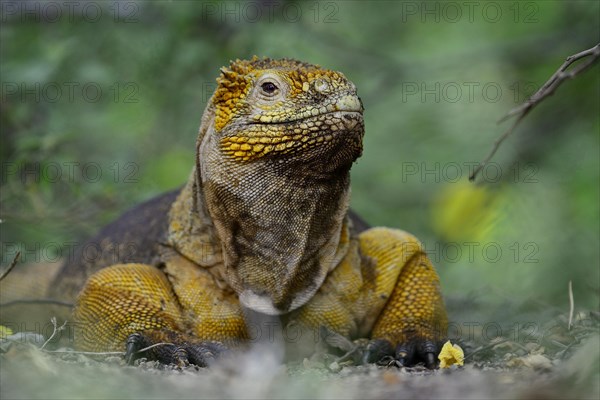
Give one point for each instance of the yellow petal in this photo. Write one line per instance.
(451, 355)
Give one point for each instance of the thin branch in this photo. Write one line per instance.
(105, 353)
(497, 144)
(571, 304)
(563, 353)
(487, 347)
(154, 345)
(11, 266)
(56, 330)
(556, 342)
(546, 90)
(347, 356)
(87, 353)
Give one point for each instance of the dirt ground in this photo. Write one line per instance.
(565, 365)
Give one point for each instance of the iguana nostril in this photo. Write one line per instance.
(349, 103)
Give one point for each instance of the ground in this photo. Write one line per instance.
(565, 364)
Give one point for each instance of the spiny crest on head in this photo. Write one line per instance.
(232, 86)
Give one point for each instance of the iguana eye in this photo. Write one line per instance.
(269, 87)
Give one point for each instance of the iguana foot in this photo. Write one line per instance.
(412, 352)
(406, 354)
(382, 352)
(179, 353)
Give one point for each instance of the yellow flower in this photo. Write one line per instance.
(450, 355)
(5, 332)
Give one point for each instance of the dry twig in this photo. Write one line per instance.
(571, 304)
(486, 347)
(11, 266)
(56, 330)
(87, 353)
(155, 345)
(105, 353)
(546, 90)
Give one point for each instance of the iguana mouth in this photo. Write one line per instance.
(349, 103)
(342, 114)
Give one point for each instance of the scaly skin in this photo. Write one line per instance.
(262, 227)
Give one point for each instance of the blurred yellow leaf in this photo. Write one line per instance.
(5, 332)
(463, 211)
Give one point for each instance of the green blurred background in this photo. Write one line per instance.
(110, 95)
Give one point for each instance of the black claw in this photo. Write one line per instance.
(179, 357)
(409, 354)
(405, 354)
(134, 343)
(429, 351)
(205, 353)
(430, 361)
(377, 349)
(427, 346)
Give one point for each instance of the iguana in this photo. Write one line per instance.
(262, 226)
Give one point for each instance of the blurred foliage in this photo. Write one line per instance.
(433, 83)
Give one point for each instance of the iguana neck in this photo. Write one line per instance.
(273, 248)
(191, 231)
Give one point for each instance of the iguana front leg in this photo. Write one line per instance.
(128, 307)
(385, 289)
(413, 322)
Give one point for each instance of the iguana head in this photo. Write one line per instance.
(274, 153)
(285, 107)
